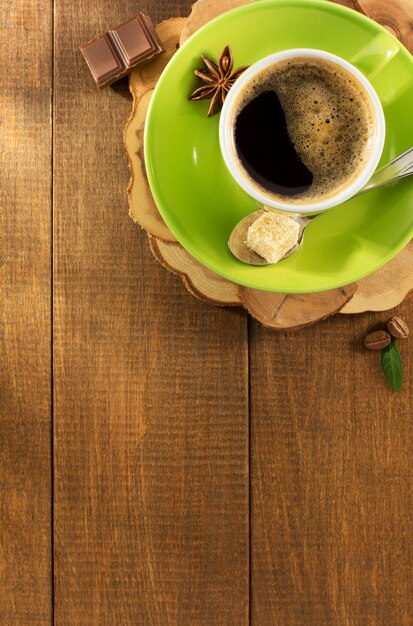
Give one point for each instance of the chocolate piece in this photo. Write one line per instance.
(102, 59)
(115, 53)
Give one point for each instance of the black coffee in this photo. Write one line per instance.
(304, 130)
(266, 150)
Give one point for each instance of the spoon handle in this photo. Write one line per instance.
(400, 167)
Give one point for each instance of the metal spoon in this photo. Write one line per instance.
(400, 167)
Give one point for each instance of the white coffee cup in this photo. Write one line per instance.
(227, 143)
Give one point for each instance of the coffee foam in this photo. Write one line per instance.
(330, 119)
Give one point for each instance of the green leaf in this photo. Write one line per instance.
(391, 364)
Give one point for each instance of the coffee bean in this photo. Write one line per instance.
(377, 340)
(397, 328)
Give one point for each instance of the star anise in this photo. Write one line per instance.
(218, 79)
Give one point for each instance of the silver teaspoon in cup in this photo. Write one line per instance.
(400, 167)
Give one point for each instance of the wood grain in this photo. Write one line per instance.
(25, 353)
(395, 15)
(283, 311)
(385, 288)
(25, 315)
(331, 475)
(203, 11)
(151, 399)
(198, 279)
(151, 410)
(331, 479)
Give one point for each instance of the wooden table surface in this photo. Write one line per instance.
(164, 462)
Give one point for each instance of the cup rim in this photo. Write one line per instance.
(226, 134)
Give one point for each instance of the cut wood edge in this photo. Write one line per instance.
(281, 311)
(204, 11)
(142, 208)
(147, 76)
(386, 288)
(350, 4)
(395, 15)
(198, 279)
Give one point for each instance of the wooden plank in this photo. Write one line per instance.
(151, 416)
(331, 479)
(25, 352)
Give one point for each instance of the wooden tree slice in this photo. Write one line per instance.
(387, 287)
(197, 278)
(395, 15)
(147, 76)
(204, 11)
(142, 208)
(380, 291)
(350, 4)
(280, 311)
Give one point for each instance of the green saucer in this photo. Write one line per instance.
(196, 195)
